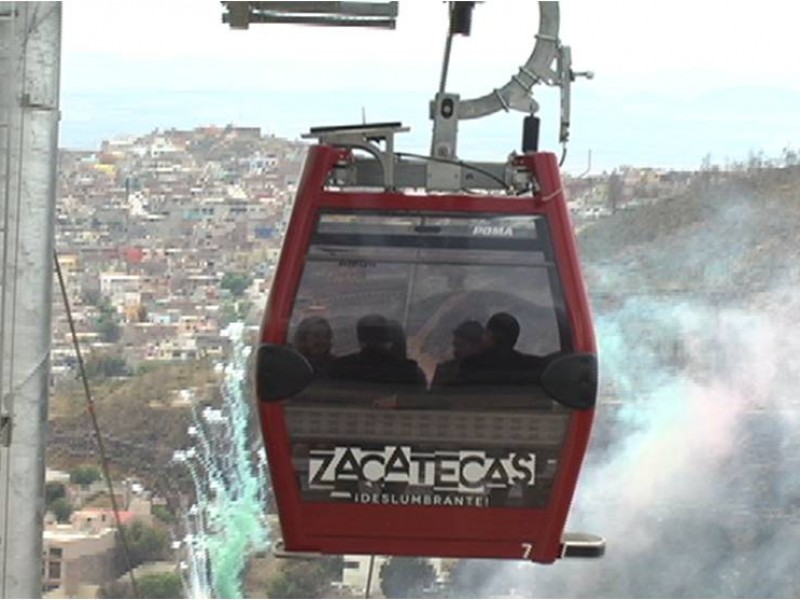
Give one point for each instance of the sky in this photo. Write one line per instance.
(674, 81)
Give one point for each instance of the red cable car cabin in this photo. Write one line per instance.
(380, 440)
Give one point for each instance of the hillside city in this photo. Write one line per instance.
(165, 239)
(153, 225)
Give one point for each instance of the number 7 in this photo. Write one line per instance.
(526, 549)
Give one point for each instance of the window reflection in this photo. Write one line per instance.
(468, 341)
(313, 338)
(425, 303)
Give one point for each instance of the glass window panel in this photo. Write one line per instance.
(420, 278)
(373, 267)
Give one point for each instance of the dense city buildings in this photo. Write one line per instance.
(148, 228)
(163, 240)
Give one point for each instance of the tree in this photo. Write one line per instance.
(53, 490)
(163, 514)
(306, 579)
(62, 509)
(616, 190)
(790, 156)
(152, 585)
(84, 475)
(107, 322)
(234, 311)
(160, 585)
(145, 543)
(107, 365)
(236, 283)
(91, 297)
(406, 577)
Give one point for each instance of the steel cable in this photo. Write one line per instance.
(90, 409)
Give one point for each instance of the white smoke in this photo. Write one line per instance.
(692, 476)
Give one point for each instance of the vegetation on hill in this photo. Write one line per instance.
(149, 585)
(731, 234)
(305, 578)
(142, 419)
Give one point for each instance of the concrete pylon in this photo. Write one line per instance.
(30, 56)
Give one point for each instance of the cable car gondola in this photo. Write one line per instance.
(427, 373)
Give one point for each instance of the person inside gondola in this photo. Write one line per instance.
(398, 339)
(377, 360)
(314, 340)
(499, 362)
(467, 341)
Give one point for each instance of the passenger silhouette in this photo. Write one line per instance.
(398, 340)
(467, 341)
(377, 360)
(499, 362)
(314, 340)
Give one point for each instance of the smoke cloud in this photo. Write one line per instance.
(693, 475)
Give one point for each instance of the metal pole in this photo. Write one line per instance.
(448, 45)
(30, 47)
(369, 576)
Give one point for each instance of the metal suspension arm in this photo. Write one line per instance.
(538, 68)
(550, 63)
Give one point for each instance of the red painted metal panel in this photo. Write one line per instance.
(459, 531)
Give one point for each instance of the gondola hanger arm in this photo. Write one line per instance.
(550, 63)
